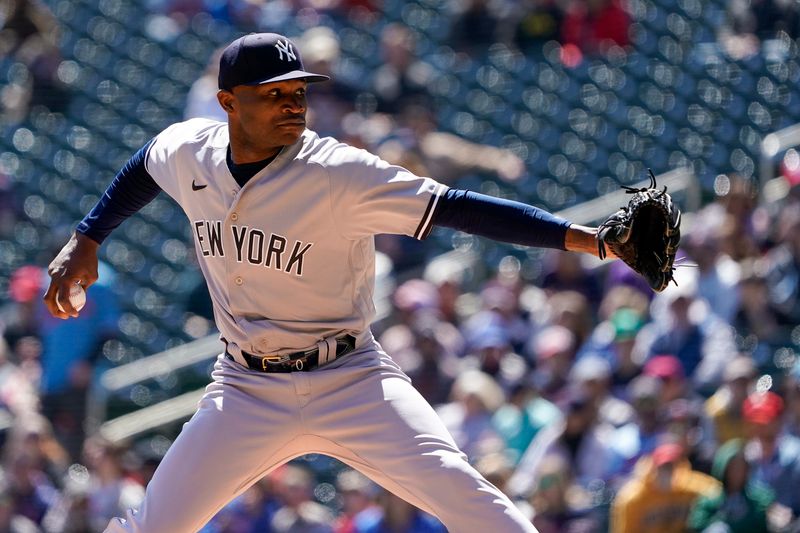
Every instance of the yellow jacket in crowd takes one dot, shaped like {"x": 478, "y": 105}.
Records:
{"x": 659, "y": 496}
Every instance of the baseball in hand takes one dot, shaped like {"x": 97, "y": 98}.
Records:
{"x": 77, "y": 297}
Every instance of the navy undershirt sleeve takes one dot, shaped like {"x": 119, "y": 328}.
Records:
{"x": 500, "y": 220}
{"x": 132, "y": 189}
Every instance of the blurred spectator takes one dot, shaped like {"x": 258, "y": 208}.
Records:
{"x": 685, "y": 425}
{"x": 595, "y": 25}
{"x": 357, "y": 7}
{"x": 418, "y": 144}
{"x": 428, "y": 361}
{"x": 29, "y": 33}
{"x": 554, "y": 351}
{"x": 579, "y": 439}
{"x": 500, "y": 309}
{"x": 756, "y": 321}
{"x": 201, "y": 101}
{"x": 669, "y": 370}
{"x": 724, "y": 407}
{"x": 738, "y": 231}
{"x": 32, "y": 436}
{"x": 535, "y": 22}
{"x": 613, "y": 340}
{"x": 660, "y": 494}
{"x": 425, "y": 346}
{"x": 10, "y": 520}
{"x": 448, "y": 282}
{"x": 683, "y": 326}
{"x": 364, "y": 128}
{"x": 70, "y": 512}
{"x": 357, "y": 495}
{"x": 250, "y": 512}
{"x": 593, "y": 375}
{"x": 321, "y": 54}
{"x": 681, "y": 408}
{"x": 566, "y": 272}
{"x": 28, "y": 354}
{"x": 29, "y": 488}
{"x": 112, "y": 492}
{"x": 475, "y": 397}
{"x": 17, "y": 394}
{"x": 19, "y": 317}
{"x": 572, "y": 310}
{"x": 402, "y": 77}
{"x": 557, "y": 504}
{"x": 393, "y": 515}
{"x": 496, "y": 468}
{"x": 299, "y": 513}
{"x": 620, "y": 275}
{"x": 717, "y": 273}
{"x": 783, "y": 267}
{"x": 521, "y": 418}
{"x": 774, "y": 456}
{"x": 641, "y": 436}
{"x": 422, "y": 344}
{"x": 764, "y": 19}
{"x": 741, "y": 506}
{"x": 475, "y": 25}
{"x": 623, "y": 296}
{"x": 409, "y": 298}
{"x": 492, "y": 353}
{"x": 735, "y": 240}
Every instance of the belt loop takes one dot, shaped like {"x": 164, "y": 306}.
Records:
{"x": 327, "y": 350}
{"x": 332, "y": 348}
{"x": 322, "y": 352}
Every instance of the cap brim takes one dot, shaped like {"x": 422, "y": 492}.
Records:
{"x": 310, "y": 77}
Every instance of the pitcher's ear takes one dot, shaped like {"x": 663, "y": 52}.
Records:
{"x": 226, "y": 100}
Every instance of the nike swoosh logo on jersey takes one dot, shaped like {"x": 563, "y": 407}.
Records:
{"x": 196, "y": 187}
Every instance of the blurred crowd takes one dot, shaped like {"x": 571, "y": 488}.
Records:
{"x": 593, "y": 403}
{"x": 599, "y": 405}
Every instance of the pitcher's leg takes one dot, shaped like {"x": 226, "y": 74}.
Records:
{"x": 241, "y": 429}
{"x": 393, "y": 435}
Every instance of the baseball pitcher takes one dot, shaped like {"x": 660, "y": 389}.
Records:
{"x": 283, "y": 223}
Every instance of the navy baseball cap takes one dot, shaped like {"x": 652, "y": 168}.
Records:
{"x": 260, "y": 58}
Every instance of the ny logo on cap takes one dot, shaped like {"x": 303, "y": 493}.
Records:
{"x": 285, "y": 47}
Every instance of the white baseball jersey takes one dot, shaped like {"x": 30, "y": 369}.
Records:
{"x": 289, "y": 257}
{"x": 289, "y": 262}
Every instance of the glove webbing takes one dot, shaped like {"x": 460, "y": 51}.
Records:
{"x": 601, "y": 248}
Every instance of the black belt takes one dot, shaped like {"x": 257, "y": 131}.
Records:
{"x": 294, "y": 362}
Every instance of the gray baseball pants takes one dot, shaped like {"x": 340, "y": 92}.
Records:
{"x": 361, "y": 409}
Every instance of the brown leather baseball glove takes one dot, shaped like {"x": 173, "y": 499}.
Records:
{"x": 645, "y": 234}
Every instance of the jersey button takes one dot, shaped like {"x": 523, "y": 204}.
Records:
{"x": 234, "y": 217}
{"x": 238, "y": 280}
